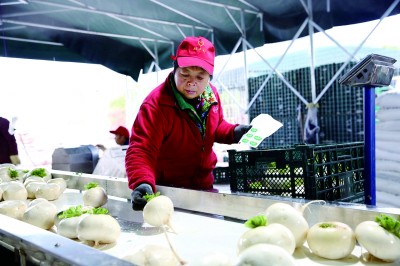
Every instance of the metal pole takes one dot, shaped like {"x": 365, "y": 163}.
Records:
{"x": 369, "y": 145}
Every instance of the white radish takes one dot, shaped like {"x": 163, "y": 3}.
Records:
{"x": 100, "y": 228}
{"x": 331, "y": 240}
{"x": 15, "y": 191}
{"x": 3, "y": 185}
{"x": 60, "y": 181}
{"x": 68, "y": 227}
{"x": 13, "y": 208}
{"x": 40, "y": 214}
{"x": 1, "y": 194}
{"x": 275, "y": 234}
{"x": 36, "y": 201}
{"x": 57, "y": 219}
{"x": 32, "y": 187}
{"x": 21, "y": 174}
{"x": 7, "y": 165}
{"x": 94, "y": 195}
{"x": 10, "y": 173}
{"x": 49, "y": 191}
{"x": 73, "y": 211}
{"x": 378, "y": 241}
{"x": 264, "y": 254}
{"x": 39, "y": 172}
{"x": 152, "y": 255}
{"x": 290, "y": 217}
{"x": 4, "y": 172}
{"x": 33, "y": 179}
{"x": 214, "y": 258}
{"x": 159, "y": 211}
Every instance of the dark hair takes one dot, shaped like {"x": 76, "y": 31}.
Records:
{"x": 175, "y": 65}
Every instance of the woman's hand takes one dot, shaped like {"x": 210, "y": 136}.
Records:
{"x": 138, "y": 202}
{"x": 239, "y": 131}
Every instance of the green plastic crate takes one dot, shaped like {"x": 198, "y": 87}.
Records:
{"x": 327, "y": 172}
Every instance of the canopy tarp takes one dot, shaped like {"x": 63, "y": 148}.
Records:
{"x": 129, "y": 35}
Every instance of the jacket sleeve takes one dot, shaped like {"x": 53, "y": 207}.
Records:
{"x": 144, "y": 146}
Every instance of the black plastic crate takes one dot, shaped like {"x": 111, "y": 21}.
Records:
{"x": 221, "y": 175}
{"x": 327, "y": 172}
{"x": 340, "y": 111}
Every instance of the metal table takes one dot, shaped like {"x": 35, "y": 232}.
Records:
{"x": 206, "y": 222}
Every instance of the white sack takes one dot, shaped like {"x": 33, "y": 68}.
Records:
{"x": 381, "y": 154}
{"x": 393, "y": 125}
{"x": 388, "y": 166}
{"x": 387, "y": 135}
{"x": 388, "y": 114}
{"x": 389, "y": 99}
{"x": 390, "y": 146}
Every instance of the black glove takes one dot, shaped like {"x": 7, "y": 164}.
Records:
{"x": 137, "y": 195}
{"x": 239, "y": 131}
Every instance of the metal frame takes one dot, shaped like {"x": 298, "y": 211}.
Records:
{"x": 182, "y": 28}
{"x": 127, "y": 19}
{"x": 17, "y": 2}
{"x": 311, "y": 26}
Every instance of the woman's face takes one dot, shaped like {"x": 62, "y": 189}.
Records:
{"x": 191, "y": 81}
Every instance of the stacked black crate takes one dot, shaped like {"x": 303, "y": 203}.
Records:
{"x": 262, "y": 103}
{"x": 340, "y": 111}
{"x": 294, "y": 107}
{"x": 282, "y": 104}
{"x": 276, "y": 91}
{"x": 340, "y": 108}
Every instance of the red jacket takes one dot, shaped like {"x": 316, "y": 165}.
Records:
{"x": 166, "y": 147}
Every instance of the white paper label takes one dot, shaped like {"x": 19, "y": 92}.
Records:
{"x": 263, "y": 126}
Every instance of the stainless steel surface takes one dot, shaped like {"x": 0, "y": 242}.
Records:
{"x": 48, "y": 248}
{"x": 206, "y": 222}
{"x": 240, "y": 206}
{"x": 115, "y": 186}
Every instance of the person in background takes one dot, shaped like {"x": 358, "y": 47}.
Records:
{"x": 176, "y": 126}
{"x": 121, "y": 137}
{"x": 8, "y": 143}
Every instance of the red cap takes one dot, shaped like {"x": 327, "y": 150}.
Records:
{"x": 196, "y": 51}
{"x": 121, "y": 131}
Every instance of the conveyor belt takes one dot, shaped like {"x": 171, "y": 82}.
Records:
{"x": 206, "y": 222}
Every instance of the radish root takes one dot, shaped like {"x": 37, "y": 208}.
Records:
{"x": 169, "y": 224}
{"x": 302, "y": 209}
{"x": 181, "y": 261}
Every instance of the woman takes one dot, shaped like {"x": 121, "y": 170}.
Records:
{"x": 177, "y": 125}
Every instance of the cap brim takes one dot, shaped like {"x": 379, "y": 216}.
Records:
{"x": 193, "y": 61}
